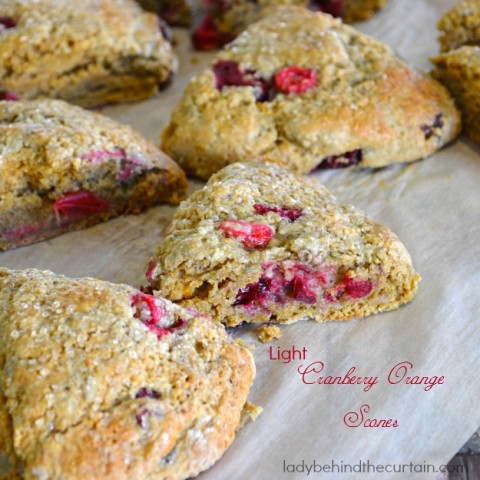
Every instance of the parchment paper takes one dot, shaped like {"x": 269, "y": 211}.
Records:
{"x": 434, "y": 207}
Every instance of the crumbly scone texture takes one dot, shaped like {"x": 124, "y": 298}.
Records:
{"x": 460, "y": 25}
{"x": 237, "y": 15}
{"x": 267, "y": 333}
{"x": 459, "y": 70}
{"x": 326, "y": 262}
{"x": 365, "y": 100}
{"x": 88, "y": 391}
{"x": 50, "y": 151}
{"x": 90, "y": 53}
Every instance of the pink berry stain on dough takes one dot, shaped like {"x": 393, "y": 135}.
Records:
{"x": 291, "y": 214}
{"x": 294, "y": 281}
{"x": 79, "y": 204}
{"x": 151, "y": 311}
{"x": 130, "y": 165}
{"x": 252, "y": 235}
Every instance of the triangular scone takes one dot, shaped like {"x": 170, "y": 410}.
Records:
{"x": 63, "y": 168}
{"x": 103, "y": 381}
{"x": 89, "y": 53}
{"x": 303, "y": 90}
{"x": 259, "y": 243}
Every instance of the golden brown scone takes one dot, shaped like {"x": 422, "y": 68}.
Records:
{"x": 103, "y": 381}
{"x": 459, "y": 70}
{"x": 303, "y": 90}
{"x": 460, "y": 25}
{"x": 63, "y": 168}
{"x": 90, "y": 53}
{"x": 261, "y": 244}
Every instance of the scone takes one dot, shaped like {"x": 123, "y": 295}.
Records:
{"x": 63, "y": 168}
{"x": 259, "y": 243}
{"x": 90, "y": 53}
{"x": 460, "y": 25}
{"x": 459, "y": 70}
{"x": 174, "y": 12}
{"x": 228, "y": 19}
{"x": 103, "y": 381}
{"x": 305, "y": 91}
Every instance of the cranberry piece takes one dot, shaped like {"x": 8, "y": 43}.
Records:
{"x": 358, "y": 288}
{"x": 294, "y": 281}
{"x": 146, "y": 392}
{"x": 281, "y": 283}
{"x": 251, "y": 235}
{"x": 6, "y": 23}
{"x": 295, "y": 79}
{"x": 352, "y": 287}
{"x": 253, "y": 292}
{"x": 150, "y": 311}
{"x": 429, "y": 130}
{"x": 142, "y": 418}
{"x": 79, "y": 204}
{"x": 342, "y": 161}
{"x": 228, "y": 74}
{"x": 307, "y": 284}
{"x": 291, "y": 214}
{"x": 335, "y": 8}
{"x": 9, "y": 96}
{"x": 208, "y": 37}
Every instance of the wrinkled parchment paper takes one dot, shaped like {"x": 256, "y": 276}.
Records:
{"x": 434, "y": 207}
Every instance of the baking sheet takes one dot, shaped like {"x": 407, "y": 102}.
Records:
{"x": 434, "y": 207}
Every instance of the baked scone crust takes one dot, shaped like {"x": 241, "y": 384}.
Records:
{"x": 50, "y": 150}
{"x": 314, "y": 249}
{"x": 91, "y": 393}
{"x": 460, "y": 25}
{"x": 91, "y": 53}
{"x": 459, "y": 70}
{"x": 365, "y": 100}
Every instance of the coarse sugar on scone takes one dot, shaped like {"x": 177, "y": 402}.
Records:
{"x": 460, "y": 25}
{"x": 302, "y": 90}
{"x": 63, "y": 168}
{"x": 261, "y": 244}
{"x": 226, "y": 20}
{"x": 90, "y": 53}
{"x": 459, "y": 70}
{"x": 103, "y": 381}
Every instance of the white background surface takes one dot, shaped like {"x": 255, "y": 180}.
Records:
{"x": 434, "y": 207}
